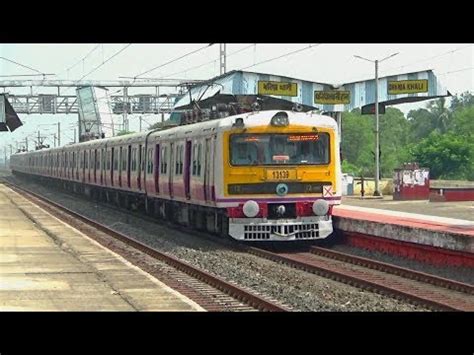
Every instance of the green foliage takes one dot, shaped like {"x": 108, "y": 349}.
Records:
{"x": 438, "y": 137}
{"x": 349, "y": 168}
{"x": 357, "y": 141}
{"x": 448, "y": 156}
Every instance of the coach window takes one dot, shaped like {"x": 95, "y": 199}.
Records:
{"x": 150, "y": 161}
{"x": 165, "y": 161}
{"x": 124, "y": 160}
{"x": 134, "y": 159}
{"x": 162, "y": 158}
{"x": 176, "y": 164}
{"x": 181, "y": 159}
{"x": 194, "y": 159}
{"x": 142, "y": 161}
{"x": 107, "y": 160}
{"x": 199, "y": 159}
{"x": 115, "y": 160}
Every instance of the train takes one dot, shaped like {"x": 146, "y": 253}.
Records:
{"x": 271, "y": 175}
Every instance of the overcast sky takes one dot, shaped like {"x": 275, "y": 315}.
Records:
{"x": 327, "y": 63}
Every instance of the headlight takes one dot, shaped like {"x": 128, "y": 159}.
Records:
{"x": 280, "y": 119}
{"x": 320, "y": 207}
{"x": 251, "y": 208}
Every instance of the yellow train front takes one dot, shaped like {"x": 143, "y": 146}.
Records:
{"x": 281, "y": 175}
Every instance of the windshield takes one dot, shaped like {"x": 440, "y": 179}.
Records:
{"x": 279, "y": 149}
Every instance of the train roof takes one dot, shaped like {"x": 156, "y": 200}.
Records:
{"x": 251, "y": 119}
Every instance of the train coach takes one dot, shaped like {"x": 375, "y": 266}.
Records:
{"x": 258, "y": 176}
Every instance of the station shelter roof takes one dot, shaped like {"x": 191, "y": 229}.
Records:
{"x": 395, "y": 89}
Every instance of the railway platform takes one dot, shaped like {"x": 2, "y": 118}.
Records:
{"x": 433, "y": 225}
{"x": 47, "y": 265}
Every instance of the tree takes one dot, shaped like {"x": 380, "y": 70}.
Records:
{"x": 440, "y": 114}
{"x": 436, "y": 117}
{"x": 394, "y": 138}
{"x": 463, "y": 121}
{"x": 421, "y": 123}
{"x": 448, "y": 156}
{"x": 358, "y": 141}
{"x": 466, "y": 99}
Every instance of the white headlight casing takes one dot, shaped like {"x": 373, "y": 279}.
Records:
{"x": 320, "y": 207}
{"x": 251, "y": 208}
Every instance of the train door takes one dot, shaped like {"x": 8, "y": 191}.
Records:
{"x": 83, "y": 167}
{"x": 187, "y": 170}
{"x": 139, "y": 167}
{"x": 120, "y": 167}
{"x": 102, "y": 160}
{"x": 90, "y": 165}
{"x": 156, "y": 168}
{"x": 171, "y": 170}
{"x": 208, "y": 164}
{"x": 113, "y": 167}
{"x": 143, "y": 169}
{"x": 96, "y": 167}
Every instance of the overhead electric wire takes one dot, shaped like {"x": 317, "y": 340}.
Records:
{"x": 7, "y": 76}
{"x": 82, "y": 59}
{"x": 21, "y": 65}
{"x": 103, "y": 63}
{"x": 282, "y": 56}
{"x": 174, "y": 60}
{"x": 456, "y": 71}
{"x": 108, "y": 59}
{"x": 212, "y": 61}
{"x": 427, "y": 59}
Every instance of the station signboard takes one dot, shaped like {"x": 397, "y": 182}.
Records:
{"x": 277, "y": 88}
{"x": 407, "y": 87}
{"x": 332, "y": 97}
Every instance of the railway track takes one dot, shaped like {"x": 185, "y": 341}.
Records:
{"x": 423, "y": 289}
{"x": 195, "y": 283}
{"x": 427, "y": 290}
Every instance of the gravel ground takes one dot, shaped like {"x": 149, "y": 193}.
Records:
{"x": 462, "y": 274}
{"x": 301, "y": 290}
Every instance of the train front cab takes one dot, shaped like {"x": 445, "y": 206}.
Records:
{"x": 281, "y": 180}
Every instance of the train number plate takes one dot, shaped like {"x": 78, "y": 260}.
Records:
{"x": 281, "y": 174}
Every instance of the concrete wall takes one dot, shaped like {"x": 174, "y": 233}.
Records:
{"x": 385, "y": 186}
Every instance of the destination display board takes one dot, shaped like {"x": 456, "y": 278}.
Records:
{"x": 277, "y": 88}
{"x": 332, "y": 97}
{"x": 407, "y": 87}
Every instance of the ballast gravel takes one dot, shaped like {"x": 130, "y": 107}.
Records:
{"x": 301, "y": 290}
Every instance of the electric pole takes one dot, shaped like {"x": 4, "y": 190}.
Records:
{"x": 377, "y": 145}
{"x": 59, "y": 134}
{"x": 223, "y": 58}
{"x": 125, "y": 109}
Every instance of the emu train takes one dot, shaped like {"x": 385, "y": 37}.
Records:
{"x": 258, "y": 176}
